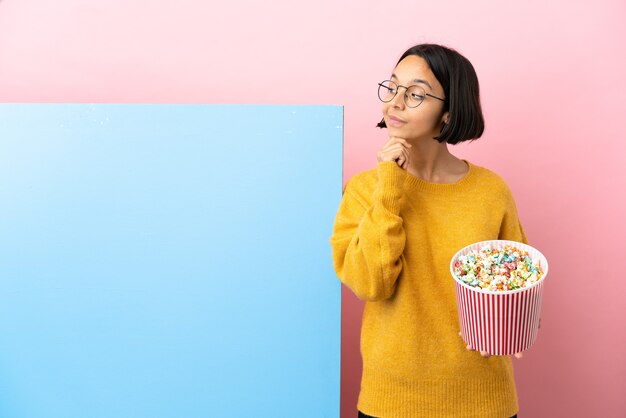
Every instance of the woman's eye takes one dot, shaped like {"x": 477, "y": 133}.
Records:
{"x": 417, "y": 96}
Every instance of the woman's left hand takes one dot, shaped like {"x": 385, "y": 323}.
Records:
{"x": 486, "y": 354}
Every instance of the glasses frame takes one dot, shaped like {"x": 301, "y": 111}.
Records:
{"x": 380, "y": 85}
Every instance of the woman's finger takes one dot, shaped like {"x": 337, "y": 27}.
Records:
{"x": 394, "y": 149}
{"x": 406, "y": 153}
{"x": 394, "y": 154}
{"x": 393, "y": 139}
{"x": 482, "y": 353}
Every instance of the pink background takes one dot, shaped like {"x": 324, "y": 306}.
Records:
{"x": 552, "y": 84}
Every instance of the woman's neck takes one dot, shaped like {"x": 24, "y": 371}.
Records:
{"x": 432, "y": 161}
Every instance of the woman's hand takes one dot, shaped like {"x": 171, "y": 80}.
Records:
{"x": 487, "y": 355}
{"x": 396, "y": 149}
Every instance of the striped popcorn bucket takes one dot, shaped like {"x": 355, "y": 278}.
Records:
{"x": 499, "y": 322}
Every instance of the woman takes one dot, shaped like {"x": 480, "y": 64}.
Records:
{"x": 398, "y": 226}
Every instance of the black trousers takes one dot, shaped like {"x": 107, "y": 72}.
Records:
{"x": 362, "y": 415}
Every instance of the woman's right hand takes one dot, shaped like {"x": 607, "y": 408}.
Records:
{"x": 396, "y": 149}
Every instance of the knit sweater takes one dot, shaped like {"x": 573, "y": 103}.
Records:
{"x": 393, "y": 237}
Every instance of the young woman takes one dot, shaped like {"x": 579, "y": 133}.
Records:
{"x": 398, "y": 226}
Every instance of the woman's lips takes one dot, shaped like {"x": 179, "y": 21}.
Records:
{"x": 395, "y": 122}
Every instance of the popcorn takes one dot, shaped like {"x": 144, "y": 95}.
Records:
{"x": 508, "y": 268}
{"x": 499, "y": 287}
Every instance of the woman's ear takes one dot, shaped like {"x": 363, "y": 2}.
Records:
{"x": 445, "y": 117}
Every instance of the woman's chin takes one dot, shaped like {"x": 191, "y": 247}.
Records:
{"x": 400, "y": 131}
{"x": 396, "y": 129}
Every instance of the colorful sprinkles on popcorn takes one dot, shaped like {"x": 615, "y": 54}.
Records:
{"x": 507, "y": 268}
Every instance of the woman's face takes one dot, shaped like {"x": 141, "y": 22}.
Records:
{"x": 423, "y": 121}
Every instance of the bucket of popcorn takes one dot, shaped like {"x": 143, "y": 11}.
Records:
{"x": 499, "y": 285}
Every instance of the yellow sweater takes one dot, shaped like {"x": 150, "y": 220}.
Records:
{"x": 393, "y": 238}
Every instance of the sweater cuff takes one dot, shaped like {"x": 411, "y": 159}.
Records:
{"x": 389, "y": 190}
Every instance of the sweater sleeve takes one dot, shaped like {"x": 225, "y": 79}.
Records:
{"x": 368, "y": 239}
{"x": 511, "y": 227}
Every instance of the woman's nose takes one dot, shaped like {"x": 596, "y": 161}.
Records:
{"x": 398, "y": 100}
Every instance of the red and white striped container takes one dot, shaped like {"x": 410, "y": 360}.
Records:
{"x": 500, "y": 322}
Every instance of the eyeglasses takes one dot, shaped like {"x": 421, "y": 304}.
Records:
{"x": 413, "y": 97}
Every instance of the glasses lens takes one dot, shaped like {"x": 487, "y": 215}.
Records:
{"x": 415, "y": 96}
{"x": 386, "y": 90}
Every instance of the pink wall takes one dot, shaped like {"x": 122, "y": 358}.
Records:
{"x": 552, "y": 79}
